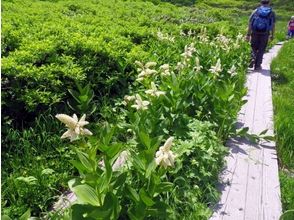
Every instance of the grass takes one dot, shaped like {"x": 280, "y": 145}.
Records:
{"x": 283, "y": 98}
{"x": 35, "y": 167}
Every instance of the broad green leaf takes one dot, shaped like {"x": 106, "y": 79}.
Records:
{"x": 85, "y": 160}
{"x": 81, "y": 211}
{"x": 120, "y": 180}
{"x": 86, "y": 194}
{"x": 113, "y": 149}
{"x": 5, "y": 217}
{"x": 137, "y": 162}
{"x": 146, "y": 198}
{"x": 133, "y": 194}
{"x": 150, "y": 168}
{"x": 26, "y": 215}
{"x": 145, "y": 139}
{"x": 77, "y": 164}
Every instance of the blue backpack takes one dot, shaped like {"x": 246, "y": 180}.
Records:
{"x": 262, "y": 19}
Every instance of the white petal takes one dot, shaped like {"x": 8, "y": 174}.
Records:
{"x": 150, "y": 64}
{"x": 145, "y": 103}
{"x": 67, "y": 134}
{"x": 77, "y": 130}
{"x": 83, "y": 118}
{"x": 66, "y": 119}
{"x": 168, "y": 144}
{"x": 75, "y": 117}
{"x": 136, "y": 107}
{"x": 87, "y": 132}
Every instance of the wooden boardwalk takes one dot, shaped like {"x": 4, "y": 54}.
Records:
{"x": 250, "y": 183}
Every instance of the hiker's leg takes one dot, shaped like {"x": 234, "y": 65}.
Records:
{"x": 263, "y": 40}
{"x": 254, "y": 49}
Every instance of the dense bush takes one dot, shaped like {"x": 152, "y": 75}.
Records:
{"x": 58, "y": 43}
{"x": 61, "y": 43}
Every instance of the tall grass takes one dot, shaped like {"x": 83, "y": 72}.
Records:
{"x": 35, "y": 167}
{"x": 283, "y": 97}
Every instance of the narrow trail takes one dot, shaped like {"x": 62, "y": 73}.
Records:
{"x": 250, "y": 183}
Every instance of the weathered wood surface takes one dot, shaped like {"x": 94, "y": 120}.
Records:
{"x": 250, "y": 183}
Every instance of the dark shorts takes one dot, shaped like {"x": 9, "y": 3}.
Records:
{"x": 291, "y": 33}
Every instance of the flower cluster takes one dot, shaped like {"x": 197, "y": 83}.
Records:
{"x": 224, "y": 42}
{"x": 162, "y": 36}
{"x": 145, "y": 70}
{"x": 202, "y": 36}
{"x": 187, "y": 55}
{"x": 154, "y": 91}
{"x": 232, "y": 71}
{"x": 140, "y": 104}
{"x": 164, "y": 156}
{"x": 197, "y": 67}
{"x": 165, "y": 70}
{"x": 217, "y": 68}
{"x": 189, "y": 34}
{"x": 74, "y": 125}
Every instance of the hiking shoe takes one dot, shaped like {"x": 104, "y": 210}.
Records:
{"x": 251, "y": 64}
{"x": 257, "y": 68}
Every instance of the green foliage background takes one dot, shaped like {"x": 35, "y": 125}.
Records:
{"x": 48, "y": 46}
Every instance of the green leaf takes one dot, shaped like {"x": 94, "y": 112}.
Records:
{"x": 263, "y": 132}
{"x": 47, "y": 171}
{"x": 80, "y": 211}
{"x": 164, "y": 187}
{"x": 74, "y": 94}
{"x": 110, "y": 207}
{"x": 288, "y": 215}
{"x": 145, "y": 139}
{"x": 86, "y": 194}
{"x": 85, "y": 160}
{"x": 138, "y": 164}
{"x": 113, "y": 149}
{"x": 26, "y": 215}
{"x": 108, "y": 170}
{"x": 120, "y": 180}
{"x": 133, "y": 194}
{"x": 77, "y": 164}
{"x": 150, "y": 168}
{"x": 5, "y": 217}
{"x": 145, "y": 198}
{"x": 269, "y": 138}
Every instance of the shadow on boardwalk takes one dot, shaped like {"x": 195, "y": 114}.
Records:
{"x": 249, "y": 184}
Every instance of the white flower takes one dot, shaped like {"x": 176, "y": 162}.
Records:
{"x": 190, "y": 32}
{"x": 197, "y": 67}
{"x": 217, "y": 68}
{"x": 182, "y": 33}
{"x": 154, "y": 91}
{"x": 145, "y": 69}
{"x": 189, "y": 50}
{"x": 180, "y": 66}
{"x": 164, "y": 156}
{"x": 129, "y": 98}
{"x": 150, "y": 64}
{"x": 140, "y": 104}
{"x": 119, "y": 162}
{"x": 74, "y": 125}
{"x": 162, "y": 36}
{"x": 232, "y": 71}
{"x": 165, "y": 70}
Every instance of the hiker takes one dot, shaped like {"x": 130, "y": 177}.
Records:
{"x": 261, "y": 28}
{"x": 291, "y": 28}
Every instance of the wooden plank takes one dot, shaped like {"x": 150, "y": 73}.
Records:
{"x": 250, "y": 183}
